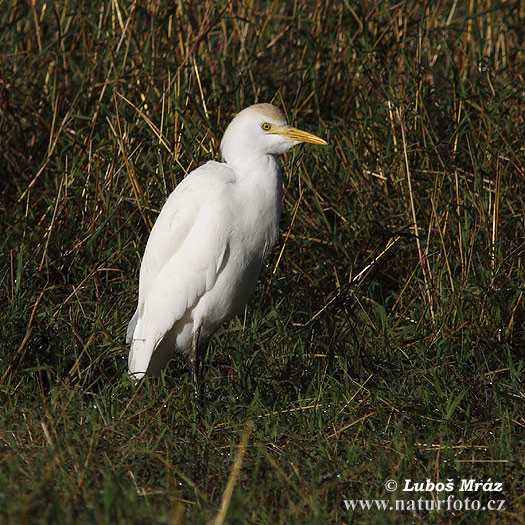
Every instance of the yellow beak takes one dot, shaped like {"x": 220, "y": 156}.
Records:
{"x": 298, "y": 135}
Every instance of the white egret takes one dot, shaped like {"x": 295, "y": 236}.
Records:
{"x": 205, "y": 251}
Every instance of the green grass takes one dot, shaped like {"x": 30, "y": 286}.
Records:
{"x": 338, "y": 379}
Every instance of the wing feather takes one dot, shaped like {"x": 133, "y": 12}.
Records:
{"x": 182, "y": 260}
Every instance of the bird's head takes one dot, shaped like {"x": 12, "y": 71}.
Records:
{"x": 261, "y": 129}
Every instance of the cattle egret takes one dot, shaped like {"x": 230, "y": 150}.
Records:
{"x": 205, "y": 251}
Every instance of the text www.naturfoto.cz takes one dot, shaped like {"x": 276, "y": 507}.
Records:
{"x": 449, "y": 504}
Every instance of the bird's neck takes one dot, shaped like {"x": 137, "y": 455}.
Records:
{"x": 256, "y": 168}
{"x": 259, "y": 181}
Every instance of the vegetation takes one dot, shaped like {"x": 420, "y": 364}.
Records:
{"x": 385, "y": 338}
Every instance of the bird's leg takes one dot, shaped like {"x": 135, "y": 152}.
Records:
{"x": 194, "y": 357}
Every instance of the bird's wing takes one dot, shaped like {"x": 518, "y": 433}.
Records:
{"x": 183, "y": 257}
{"x": 199, "y": 193}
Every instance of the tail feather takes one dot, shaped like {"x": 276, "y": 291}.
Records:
{"x": 140, "y": 353}
{"x": 131, "y": 327}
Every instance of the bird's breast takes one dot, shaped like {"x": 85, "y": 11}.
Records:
{"x": 259, "y": 212}
{"x": 253, "y": 215}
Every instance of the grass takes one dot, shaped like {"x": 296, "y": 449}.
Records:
{"x": 386, "y": 342}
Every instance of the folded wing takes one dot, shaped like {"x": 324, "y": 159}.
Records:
{"x": 183, "y": 257}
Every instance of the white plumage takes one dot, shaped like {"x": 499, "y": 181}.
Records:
{"x": 205, "y": 251}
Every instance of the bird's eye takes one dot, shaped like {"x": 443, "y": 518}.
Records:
{"x": 266, "y": 126}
